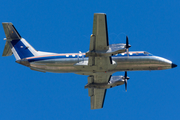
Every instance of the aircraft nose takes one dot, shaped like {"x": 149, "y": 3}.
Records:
{"x": 173, "y": 65}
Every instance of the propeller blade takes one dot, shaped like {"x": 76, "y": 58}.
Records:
{"x": 127, "y": 42}
{"x": 125, "y": 82}
{"x": 125, "y": 75}
{"x": 127, "y": 46}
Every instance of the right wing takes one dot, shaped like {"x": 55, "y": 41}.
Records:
{"x": 97, "y": 95}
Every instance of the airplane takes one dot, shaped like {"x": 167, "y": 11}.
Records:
{"x": 99, "y": 63}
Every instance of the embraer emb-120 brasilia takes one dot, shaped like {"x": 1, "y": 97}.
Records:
{"x": 99, "y": 63}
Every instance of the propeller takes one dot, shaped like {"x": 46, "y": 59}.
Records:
{"x": 125, "y": 80}
{"x": 127, "y": 46}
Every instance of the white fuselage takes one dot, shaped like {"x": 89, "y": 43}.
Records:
{"x": 62, "y": 63}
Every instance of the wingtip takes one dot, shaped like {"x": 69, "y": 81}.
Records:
{"x": 99, "y": 13}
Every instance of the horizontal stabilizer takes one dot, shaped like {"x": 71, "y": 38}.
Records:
{"x": 7, "y": 50}
{"x": 11, "y": 32}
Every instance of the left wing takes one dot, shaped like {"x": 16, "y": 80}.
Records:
{"x": 98, "y": 95}
{"x": 99, "y": 44}
{"x": 100, "y": 32}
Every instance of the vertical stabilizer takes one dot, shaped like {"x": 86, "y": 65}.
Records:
{"x": 16, "y": 44}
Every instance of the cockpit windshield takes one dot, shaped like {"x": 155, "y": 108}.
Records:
{"x": 148, "y": 54}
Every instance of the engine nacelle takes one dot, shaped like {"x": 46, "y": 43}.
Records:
{"x": 116, "y": 48}
{"x": 113, "y": 50}
{"x": 114, "y": 81}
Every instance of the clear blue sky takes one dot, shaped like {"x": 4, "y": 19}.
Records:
{"x": 65, "y": 26}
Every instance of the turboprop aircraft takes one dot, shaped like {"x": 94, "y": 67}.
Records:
{"x": 99, "y": 63}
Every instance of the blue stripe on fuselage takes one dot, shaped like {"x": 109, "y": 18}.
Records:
{"x": 70, "y": 56}
{"x": 21, "y": 49}
{"x": 49, "y": 57}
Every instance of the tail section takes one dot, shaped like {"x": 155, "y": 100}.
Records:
{"x": 16, "y": 44}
